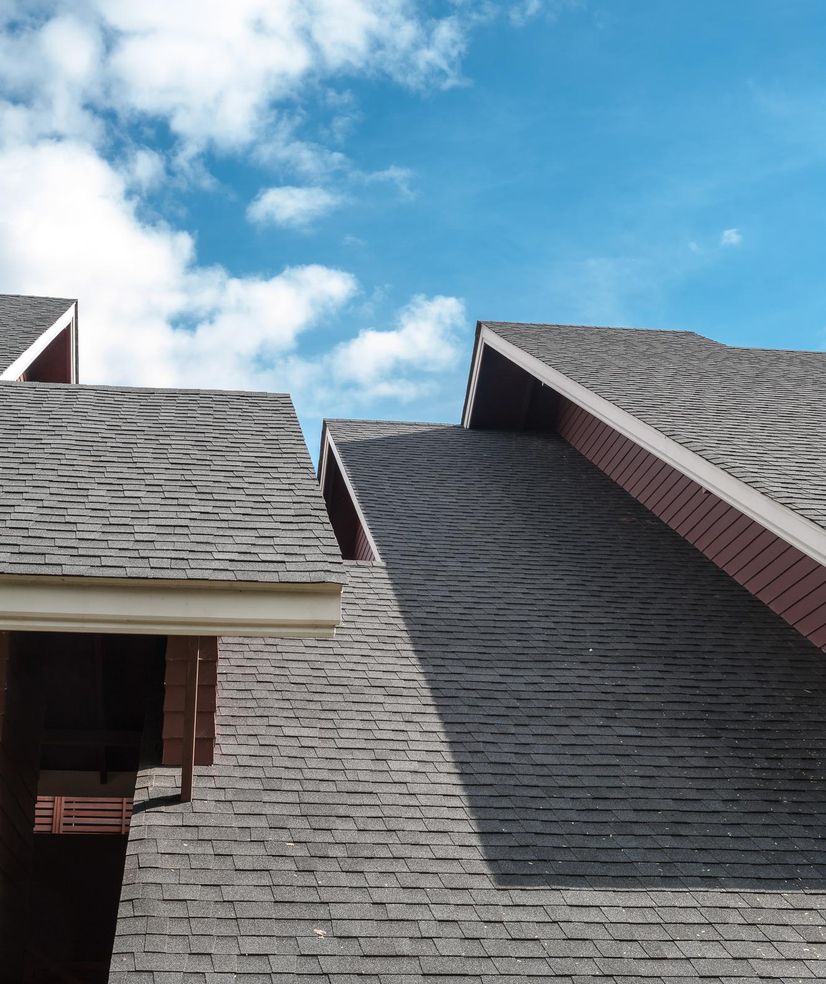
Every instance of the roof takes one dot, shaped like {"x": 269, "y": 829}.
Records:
{"x": 759, "y": 414}
{"x": 158, "y": 483}
{"x": 23, "y": 320}
{"x": 550, "y": 739}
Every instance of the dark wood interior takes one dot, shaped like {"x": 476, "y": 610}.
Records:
{"x": 54, "y": 364}
{"x": 509, "y": 398}
{"x": 78, "y": 715}
{"x": 348, "y": 528}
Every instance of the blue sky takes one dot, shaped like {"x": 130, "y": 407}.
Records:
{"x": 323, "y": 196}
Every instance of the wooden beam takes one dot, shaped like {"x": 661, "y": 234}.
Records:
{"x": 98, "y": 739}
{"x": 4, "y": 671}
{"x": 190, "y": 718}
{"x": 100, "y": 710}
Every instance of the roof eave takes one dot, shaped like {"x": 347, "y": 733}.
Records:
{"x": 790, "y": 526}
{"x": 470, "y": 390}
{"x": 67, "y": 320}
{"x": 169, "y": 607}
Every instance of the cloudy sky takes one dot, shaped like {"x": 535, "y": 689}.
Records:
{"x": 322, "y": 196}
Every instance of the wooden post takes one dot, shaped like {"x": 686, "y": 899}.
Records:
{"x": 190, "y": 718}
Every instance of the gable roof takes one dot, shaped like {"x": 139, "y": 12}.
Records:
{"x": 759, "y": 415}
{"x": 23, "y": 320}
{"x": 550, "y": 739}
{"x": 158, "y": 483}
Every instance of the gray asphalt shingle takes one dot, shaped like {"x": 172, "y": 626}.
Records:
{"x": 550, "y": 741}
{"x": 759, "y": 414}
{"x": 23, "y": 320}
{"x": 158, "y": 483}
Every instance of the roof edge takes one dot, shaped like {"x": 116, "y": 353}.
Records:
{"x": 328, "y": 449}
{"x": 794, "y": 529}
{"x": 67, "y": 320}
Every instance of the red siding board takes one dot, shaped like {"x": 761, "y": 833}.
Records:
{"x": 702, "y": 513}
{"x": 809, "y": 613}
{"x": 660, "y": 499}
{"x": 651, "y": 480}
{"x": 715, "y": 527}
{"x": 631, "y": 466}
{"x": 642, "y": 485}
{"x": 669, "y": 505}
{"x": 800, "y": 592}
{"x": 623, "y": 450}
{"x": 781, "y": 576}
{"x": 792, "y": 580}
{"x": 747, "y": 571}
{"x": 743, "y": 529}
{"x": 363, "y": 550}
{"x": 761, "y": 581}
{"x": 739, "y": 552}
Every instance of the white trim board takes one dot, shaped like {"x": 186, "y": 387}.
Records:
{"x": 22, "y": 362}
{"x": 330, "y": 444}
{"x": 137, "y": 607}
{"x": 796, "y": 530}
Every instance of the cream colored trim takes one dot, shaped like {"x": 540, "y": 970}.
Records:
{"x": 22, "y": 362}
{"x": 55, "y": 604}
{"x": 330, "y": 446}
{"x": 474, "y": 379}
{"x": 790, "y": 526}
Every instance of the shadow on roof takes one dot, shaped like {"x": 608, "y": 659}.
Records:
{"x": 620, "y": 712}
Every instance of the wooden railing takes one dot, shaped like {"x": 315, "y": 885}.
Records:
{"x": 82, "y": 815}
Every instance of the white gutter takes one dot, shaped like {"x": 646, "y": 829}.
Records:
{"x": 143, "y": 606}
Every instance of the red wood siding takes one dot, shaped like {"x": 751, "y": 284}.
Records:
{"x": 362, "y": 549}
{"x": 790, "y": 583}
{"x": 175, "y": 696}
{"x": 82, "y": 815}
{"x": 348, "y": 528}
{"x": 54, "y": 364}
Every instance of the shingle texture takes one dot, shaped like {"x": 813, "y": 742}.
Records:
{"x": 760, "y": 414}
{"x": 116, "y": 482}
{"x": 550, "y": 741}
{"x": 23, "y": 320}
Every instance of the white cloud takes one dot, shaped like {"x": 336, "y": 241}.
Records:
{"x": 401, "y": 177}
{"x": 731, "y": 237}
{"x": 213, "y": 70}
{"x": 72, "y": 182}
{"x": 149, "y": 313}
{"x": 425, "y": 339}
{"x": 291, "y": 206}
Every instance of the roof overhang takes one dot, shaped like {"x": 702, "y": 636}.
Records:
{"x": 169, "y": 607}
{"x": 67, "y": 320}
{"x": 790, "y": 526}
{"x": 330, "y": 453}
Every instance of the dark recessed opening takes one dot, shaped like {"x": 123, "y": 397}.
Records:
{"x": 54, "y": 364}
{"x": 344, "y": 518}
{"x": 509, "y": 398}
{"x": 80, "y": 715}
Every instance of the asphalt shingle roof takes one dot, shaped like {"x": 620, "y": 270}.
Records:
{"x": 158, "y": 483}
{"x": 23, "y": 320}
{"x": 550, "y": 741}
{"x": 759, "y": 414}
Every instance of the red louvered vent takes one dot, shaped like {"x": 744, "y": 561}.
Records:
{"x": 82, "y": 815}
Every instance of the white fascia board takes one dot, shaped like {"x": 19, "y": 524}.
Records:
{"x": 22, "y": 362}
{"x": 796, "y": 530}
{"x": 328, "y": 449}
{"x": 137, "y": 607}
